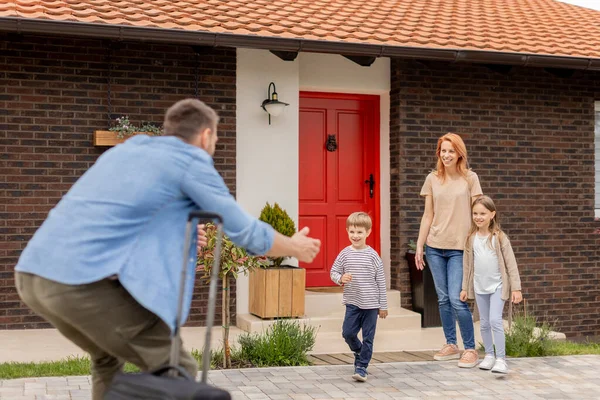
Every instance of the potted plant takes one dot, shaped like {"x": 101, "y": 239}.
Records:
{"x": 234, "y": 260}
{"x": 278, "y": 290}
{"x": 123, "y": 130}
{"x": 424, "y": 296}
{"x": 279, "y": 219}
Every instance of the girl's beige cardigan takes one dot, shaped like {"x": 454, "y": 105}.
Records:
{"x": 511, "y": 280}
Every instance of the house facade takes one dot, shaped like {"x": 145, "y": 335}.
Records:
{"x": 527, "y": 116}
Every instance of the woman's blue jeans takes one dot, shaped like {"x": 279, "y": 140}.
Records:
{"x": 447, "y": 271}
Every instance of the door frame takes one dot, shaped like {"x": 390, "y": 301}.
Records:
{"x": 374, "y": 101}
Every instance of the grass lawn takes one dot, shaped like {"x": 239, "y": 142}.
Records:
{"x": 73, "y": 366}
{"x": 70, "y": 366}
{"x": 567, "y": 348}
{"x": 77, "y": 366}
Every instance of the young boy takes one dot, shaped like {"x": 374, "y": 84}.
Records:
{"x": 359, "y": 270}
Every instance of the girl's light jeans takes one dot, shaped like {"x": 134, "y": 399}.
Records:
{"x": 492, "y": 329}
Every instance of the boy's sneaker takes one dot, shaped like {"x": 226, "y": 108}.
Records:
{"x": 469, "y": 359}
{"x": 360, "y": 374}
{"x": 488, "y": 362}
{"x": 448, "y": 352}
{"x": 500, "y": 367}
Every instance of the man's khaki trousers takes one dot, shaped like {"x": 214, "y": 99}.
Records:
{"x": 104, "y": 320}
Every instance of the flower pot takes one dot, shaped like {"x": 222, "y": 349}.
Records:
{"x": 277, "y": 292}
{"x": 424, "y": 296}
{"x": 110, "y": 138}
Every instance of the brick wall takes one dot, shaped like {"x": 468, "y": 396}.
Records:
{"x": 53, "y": 96}
{"x": 530, "y": 139}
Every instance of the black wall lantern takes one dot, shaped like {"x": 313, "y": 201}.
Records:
{"x": 271, "y": 104}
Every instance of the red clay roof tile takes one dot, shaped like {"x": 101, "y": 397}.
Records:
{"x": 540, "y": 26}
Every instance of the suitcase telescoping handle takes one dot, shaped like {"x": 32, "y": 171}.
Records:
{"x": 193, "y": 218}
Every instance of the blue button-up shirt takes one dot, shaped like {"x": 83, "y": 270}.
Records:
{"x": 126, "y": 216}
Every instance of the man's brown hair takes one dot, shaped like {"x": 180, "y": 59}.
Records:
{"x": 188, "y": 117}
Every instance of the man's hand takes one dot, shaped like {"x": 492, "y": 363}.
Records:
{"x": 383, "y": 314}
{"x": 463, "y": 295}
{"x": 517, "y": 296}
{"x": 306, "y": 248}
{"x": 346, "y": 278}
{"x": 202, "y": 241}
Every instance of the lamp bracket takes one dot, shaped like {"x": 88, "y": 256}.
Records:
{"x": 363, "y": 61}
{"x": 285, "y": 55}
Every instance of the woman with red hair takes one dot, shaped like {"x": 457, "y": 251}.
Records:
{"x": 449, "y": 191}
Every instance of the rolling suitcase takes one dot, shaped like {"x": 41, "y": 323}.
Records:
{"x": 171, "y": 382}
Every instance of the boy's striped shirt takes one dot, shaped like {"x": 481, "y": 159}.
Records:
{"x": 367, "y": 288}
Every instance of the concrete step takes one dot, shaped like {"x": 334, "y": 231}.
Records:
{"x": 398, "y": 319}
{"x": 405, "y": 340}
{"x": 319, "y": 304}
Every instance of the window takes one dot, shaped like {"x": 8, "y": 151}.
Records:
{"x": 597, "y": 152}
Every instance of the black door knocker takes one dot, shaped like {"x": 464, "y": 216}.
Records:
{"x": 331, "y": 144}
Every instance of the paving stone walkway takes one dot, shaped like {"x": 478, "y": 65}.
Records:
{"x": 377, "y": 358}
{"x": 572, "y": 377}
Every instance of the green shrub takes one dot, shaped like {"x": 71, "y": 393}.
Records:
{"x": 279, "y": 219}
{"x": 285, "y": 343}
{"x": 217, "y": 358}
{"x": 526, "y": 338}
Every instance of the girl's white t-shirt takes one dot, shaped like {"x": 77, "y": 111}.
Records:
{"x": 487, "y": 271}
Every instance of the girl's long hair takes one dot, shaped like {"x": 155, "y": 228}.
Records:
{"x": 494, "y": 228}
{"x": 462, "y": 164}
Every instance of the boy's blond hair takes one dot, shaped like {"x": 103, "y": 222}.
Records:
{"x": 359, "y": 219}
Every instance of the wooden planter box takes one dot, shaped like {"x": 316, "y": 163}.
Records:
{"x": 109, "y": 138}
{"x": 277, "y": 292}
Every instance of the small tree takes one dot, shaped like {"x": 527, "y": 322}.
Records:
{"x": 279, "y": 219}
{"x": 234, "y": 260}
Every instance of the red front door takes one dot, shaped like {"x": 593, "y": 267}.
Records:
{"x": 336, "y": 182}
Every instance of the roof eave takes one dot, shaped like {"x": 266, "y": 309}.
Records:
{"x": 199, "y": 38}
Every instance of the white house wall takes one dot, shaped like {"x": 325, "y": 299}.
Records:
{"x": 267, "y": 155}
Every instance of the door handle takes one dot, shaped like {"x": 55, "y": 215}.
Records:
{"x": 371, "y": 182}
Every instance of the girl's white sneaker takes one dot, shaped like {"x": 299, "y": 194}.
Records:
{"x": 500, "y": 367}
{"x": 488, "y": 362}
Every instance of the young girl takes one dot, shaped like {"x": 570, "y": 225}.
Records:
{"x": 490, "y": 275}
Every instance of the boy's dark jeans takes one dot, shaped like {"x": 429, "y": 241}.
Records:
{"x": 355, "y": 320}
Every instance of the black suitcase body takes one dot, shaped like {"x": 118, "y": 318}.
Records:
{"x": 155, "y": 386}
{"x": 172, "y": 382}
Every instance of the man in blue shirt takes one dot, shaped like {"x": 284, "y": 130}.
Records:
{"x": 104, "y": 267}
